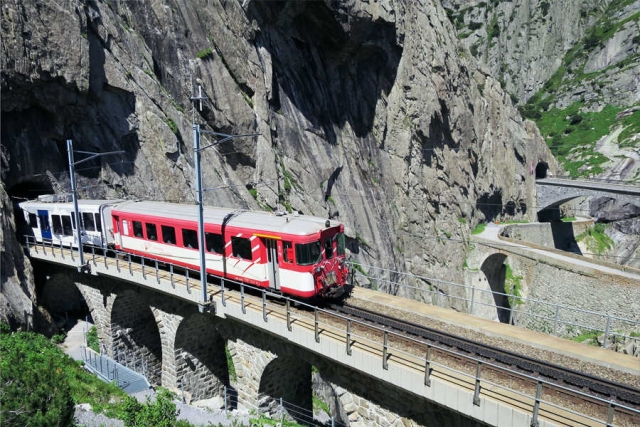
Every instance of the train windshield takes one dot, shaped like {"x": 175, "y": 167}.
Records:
{"x": 308, "y": 253}
{"x": 341, "y": 244}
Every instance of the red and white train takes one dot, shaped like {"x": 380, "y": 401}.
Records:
{"x": 299, "y": 255}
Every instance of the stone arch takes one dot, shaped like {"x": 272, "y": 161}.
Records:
{"x": 200, "y": 357}
{"x": 62, "y": 297}
{"x": 136, "y": 338}
{"x": 542, "y": 169}
{"x": 289, "y": 378}
{"x": 495, "y": 270}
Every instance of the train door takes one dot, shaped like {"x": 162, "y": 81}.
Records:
{"x": 272, "y": 263}
{"x": 45, "y": 227}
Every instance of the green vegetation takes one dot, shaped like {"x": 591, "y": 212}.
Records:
{"x": 591, "y": 336}
{"x": 571, "y": 132}
{"x": 568, "y": 219}
{"x": 161, "y": 413}
{"x": 40, "y": 384}
{"x": 596, "y": 239}
{"x": 320, "y": 405}
{"x": 462, "y": 220}
{"x": 248, "y": 99}
{"x": 205, "y": 54}
{"x": 479, "y": 228}
{"x": 513, "y": 286}
{"x": 173, "y": 126}
{"x": 233, "y": 376}
{"x": 92, "y": 339}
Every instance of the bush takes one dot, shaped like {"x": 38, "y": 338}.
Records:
{"x": 93, "y": 342}
{"x": 35, "y": 391}
{"x": 161, "y": 413}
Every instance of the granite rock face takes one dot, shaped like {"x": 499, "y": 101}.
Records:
{"x": 371, "y": 113}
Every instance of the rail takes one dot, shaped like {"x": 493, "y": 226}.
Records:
{"x": 531, "y": 313}
{"x": 383, "y": 345}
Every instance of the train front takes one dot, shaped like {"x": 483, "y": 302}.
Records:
{"x": 330, "y": 272}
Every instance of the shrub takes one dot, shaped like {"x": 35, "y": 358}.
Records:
{"x": 35, "y": 391}
{"x": 161, "y": 413}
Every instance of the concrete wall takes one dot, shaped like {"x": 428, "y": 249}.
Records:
{"x": 558, "y": 235}
{"x": 554, "y": 281}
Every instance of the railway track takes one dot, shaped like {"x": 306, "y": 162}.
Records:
{"x": 570, "y": 378}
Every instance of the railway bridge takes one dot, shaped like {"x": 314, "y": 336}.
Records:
{"x": 264, "y": 350}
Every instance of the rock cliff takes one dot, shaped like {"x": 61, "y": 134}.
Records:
{"x": 573, "y": 67}
{"x": 370, "y": 112}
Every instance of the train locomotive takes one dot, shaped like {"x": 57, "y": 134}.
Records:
{"x": 298, "y": 255}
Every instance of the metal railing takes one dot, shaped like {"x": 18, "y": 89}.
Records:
{"x": 555, "y": 319}
{"x": 390, "y": 353}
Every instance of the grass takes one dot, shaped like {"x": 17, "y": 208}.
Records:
{"x": 513, "y": 286}
{"x": 173, "y": 126}
{"x": 570, "y": 133}
{"x": 320, "y": 405}
{"x": 92, "y": 339}
{"x": 568, "y": 219}
{"x": 205, "y": 54}
{"x": 479, "y": 228}
{"x": 233, "y": 375}
{"x": 592, "y": 336}
{"x": 596, "y": 239}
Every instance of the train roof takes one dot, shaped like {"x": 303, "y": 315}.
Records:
{"x": 49, "y": 205}
{"x": 264, "y": 221}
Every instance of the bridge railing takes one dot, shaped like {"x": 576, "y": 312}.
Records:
{"x": 555, "y": 319}
{"x": 391, "y": 346}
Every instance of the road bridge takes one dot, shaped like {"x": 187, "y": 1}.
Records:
{"x": 553, "y": 192}
{"x": 153, "y": 314}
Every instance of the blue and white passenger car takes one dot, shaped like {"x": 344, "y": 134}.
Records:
{"x": 52, "y": 219}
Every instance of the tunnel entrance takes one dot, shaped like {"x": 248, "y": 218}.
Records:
{"x": 495, "y": 271}
{"x": 542, "y": 169}
{"x": 26, "y": 190}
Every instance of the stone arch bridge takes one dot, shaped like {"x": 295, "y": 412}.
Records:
{"x": 552, "y": 192}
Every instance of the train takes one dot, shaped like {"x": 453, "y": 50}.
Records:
{"x": 298, "y": 255}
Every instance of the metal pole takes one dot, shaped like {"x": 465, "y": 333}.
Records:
{"x": 385, "y": 349}
{"x": 72, "y": 175}
{"x": 606, "y": 331}
{"x": 536, "y": 405}
{"x": 264, "y": 305}
{"x": 476, "y": 393}
{"x": 315, "y": 322}
{"x": 288, "y": 314}
{"x": 348, "y": 340}
{"x": 427, "y": 367}
{"x": 203, "y": 267}
{"x": 473, "y": 293}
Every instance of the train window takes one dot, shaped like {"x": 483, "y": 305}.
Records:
{"x": 87, "y": 220}
{"x": 241, "y": 247}
{"x": 66, "y": 225}
{"x": 341, "y": 244}
{"x": 137, "y": 229}
{"x": 189, "y": 239}
{"x": 214, "y": 243}
{"x": 287, "y": 251}
{"x": 328, "y": 248}
{"x": 152, "y": 233}
{"x": 57, "y": 224}
{"x": 98, "y": 223}
{"x": 168, "y": 234}
{"x": 33, "y": 220}
{"x": 308, "y": 253}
